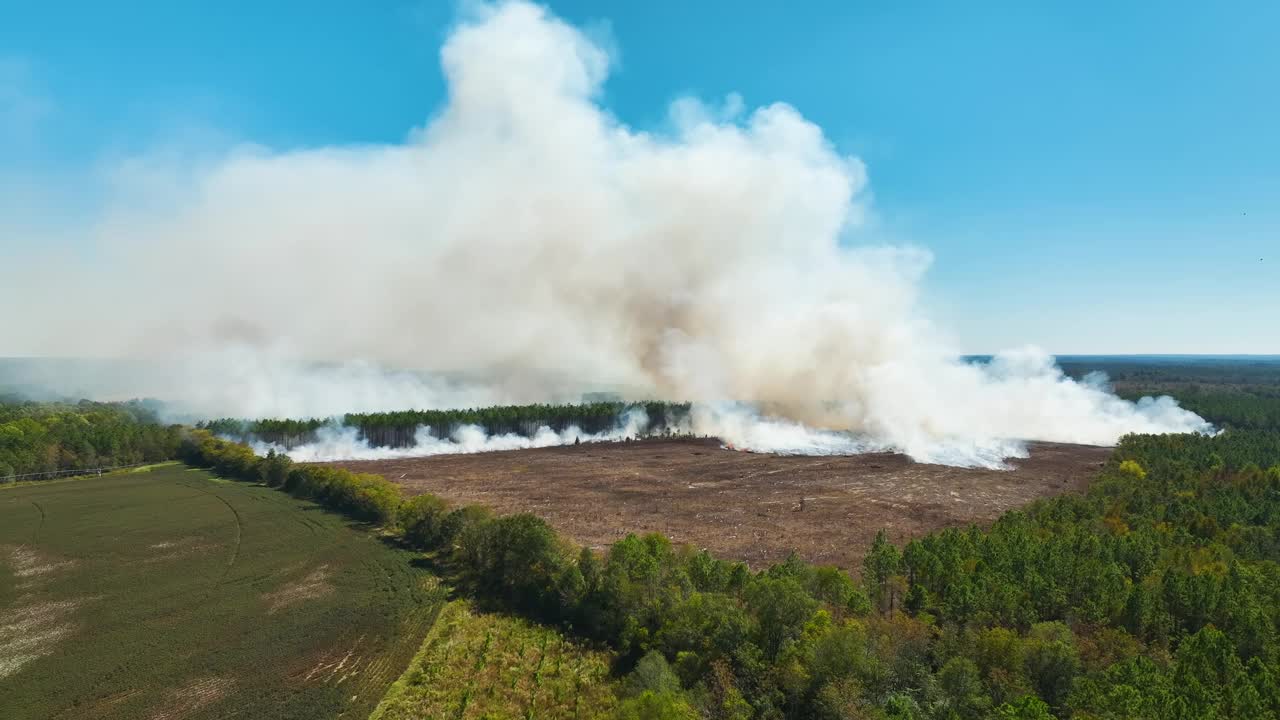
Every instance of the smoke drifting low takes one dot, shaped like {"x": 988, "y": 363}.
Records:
{"x": 523, "y": 234}
{"x": 339, "y": 442}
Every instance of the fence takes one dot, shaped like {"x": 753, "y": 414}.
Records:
{"x": 51, "y": 474}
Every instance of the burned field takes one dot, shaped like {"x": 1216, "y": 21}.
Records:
{"x": 745, "y": 506}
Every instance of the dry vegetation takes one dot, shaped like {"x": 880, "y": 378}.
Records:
{"x": 33, "y": 624}
{"x": 740, "y": 505}
{"x": 494, "y": 666}
{"x": 308, "y": 588}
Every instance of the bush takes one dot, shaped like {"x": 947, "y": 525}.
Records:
{"x": 520, "y": 557}
{"x": 651, "y": 674}
{"x": 363, "y": 497}
{"x": 461, "y": 524}
{"x": 274, "y": 469}
{"x": 657, "y": 706}
{"x": 420, "y": 520}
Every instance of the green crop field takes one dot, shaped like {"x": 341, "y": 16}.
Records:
{"x": 480, "y": 666}
{"x": 170, "y": 594}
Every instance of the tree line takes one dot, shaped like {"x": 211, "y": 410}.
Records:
{"x": 1249, "y": 407}
{"x": 398, "y": 429}
{"x": 1137, "y": 372}
{"x": 48, "y": 437}
{"x": 1154, "y": 595}
{"x": 285, "y": 432}
{"x": 1230, "y": 393}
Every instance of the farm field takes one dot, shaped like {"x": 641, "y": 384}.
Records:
{"x": 169, "y": 594}
{"x": 495, "y": 666}
{"x": 744, "y": 506}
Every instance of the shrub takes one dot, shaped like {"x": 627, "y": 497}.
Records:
{"x": 361, "y": 496}
{"x": 421, "y": 521}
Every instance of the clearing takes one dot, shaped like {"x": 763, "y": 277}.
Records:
{"x": 172, "y": 595}
{"x": 739, "y": 505}
{"x": 496, "y": 666}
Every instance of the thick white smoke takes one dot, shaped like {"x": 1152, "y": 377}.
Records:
{"x": 524, "y": 233}
{"x": 340, "y": 442}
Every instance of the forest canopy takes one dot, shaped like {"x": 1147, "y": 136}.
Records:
{"x": 1155, "y": 594}
{"x": 47, "y": 437}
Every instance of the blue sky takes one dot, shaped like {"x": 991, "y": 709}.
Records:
{"x": 1091, "y": 177}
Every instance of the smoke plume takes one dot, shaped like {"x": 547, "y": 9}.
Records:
{"x": 526, "y": 237}
{"x": 340, "y": 442}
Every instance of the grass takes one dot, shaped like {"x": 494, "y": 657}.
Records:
{"x": 87, "y": 476}
{"x": 163, "y": 595}
{"x": 478, "y": 666}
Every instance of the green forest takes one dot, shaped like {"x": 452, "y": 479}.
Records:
{"x": 1156, "y": 594}
{"x": 397, "y": 429}
{"x": 52, "y": 437}
{"x": 1229, "y": 393}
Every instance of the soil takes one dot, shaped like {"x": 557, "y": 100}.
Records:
{"x": 744, "y": 506}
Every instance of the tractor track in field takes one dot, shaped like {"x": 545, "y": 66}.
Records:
{"x": 193, "y": 634}
{"x": 235, "y": 550}
{"x": 35, "y": 534}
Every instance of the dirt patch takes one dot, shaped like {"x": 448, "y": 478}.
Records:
{"x": 31, "y": 627}
{"x": 312, "y": 586}
{"x": 335, "y": 663}
{"x": 744, "y": 506}
{"x": 16, "y": 651}
{"x": 176, "y": 549}
{"x": 26, "y": 619}
{"x": 28, "y": 563}
{"x": 193, "y": 697}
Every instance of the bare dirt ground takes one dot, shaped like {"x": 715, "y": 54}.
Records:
{"x": 738, "y": 505}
